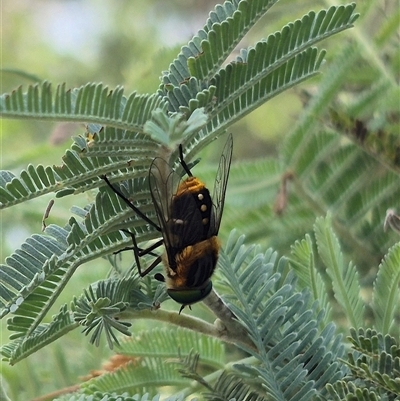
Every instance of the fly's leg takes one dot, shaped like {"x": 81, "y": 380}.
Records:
{"x": 141, "y": 252}
{"x": 138, "y": 252}
{"x": 130, "y": 204}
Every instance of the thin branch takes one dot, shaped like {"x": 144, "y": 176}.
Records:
{"x": 225, "y": 328}
{"x": 230, "y": 328}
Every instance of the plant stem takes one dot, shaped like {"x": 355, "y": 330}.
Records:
{"x": 231, "y": 329}
{"x": 226, "y": 328}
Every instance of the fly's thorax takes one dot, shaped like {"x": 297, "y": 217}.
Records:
{"x": 193, "y": 266}
{"x": 190, "y": 214}
{"x": 192, "y": 184}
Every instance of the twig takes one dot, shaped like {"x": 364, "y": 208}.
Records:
{"x": 229, "y": 326}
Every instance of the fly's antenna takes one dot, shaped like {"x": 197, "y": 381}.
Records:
{"x": 183, "y": 163}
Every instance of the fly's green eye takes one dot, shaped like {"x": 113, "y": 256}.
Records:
{"x": 191, "y": 296}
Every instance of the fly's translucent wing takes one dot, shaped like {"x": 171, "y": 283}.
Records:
{"x": 163, "y": 183}
{"x": 221, "y": 182}
{"x": 179, "y": 216}
{"x": 186, "y": 212}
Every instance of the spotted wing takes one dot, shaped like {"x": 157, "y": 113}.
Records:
{"x": 221, "y": 182}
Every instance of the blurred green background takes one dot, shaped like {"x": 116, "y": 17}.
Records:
{"x": 124, "y": 43}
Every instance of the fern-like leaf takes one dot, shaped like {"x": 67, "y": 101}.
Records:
{"x": 280, "y": 324}
{"x": 136, "y": 377}
{"x": 344, "y": 391}
{"x": 333, "y": 175}
{"x": 230, "y": 386}
{"x": 241, "y": 87}
{"x": 44, "y": 334}
{"x": 376, "y": 362}
{"x": 303, "y": 263}
{"x": 385, "y": 299}
{"x": 27, "y": 268}
{"x": 224, "y": 16}
{"x": 112, "y": 142}
{"x": 99, "y": 307}
{"x": 37, "y": 274}
{"x": 79, "y": 172}
{"x": 279, "y": 63}
{"x": 89, "y": 103}
{"x": 165, "y": 343}
{"x": 105, "y": 396}
{"x": 224, "y": 31}
{"x": 345, "y": 281}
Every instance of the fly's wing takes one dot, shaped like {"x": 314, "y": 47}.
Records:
{"x": 163, "y": 183}
{"x": 179, "y": 217}
{"x": 221, "y": 182}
